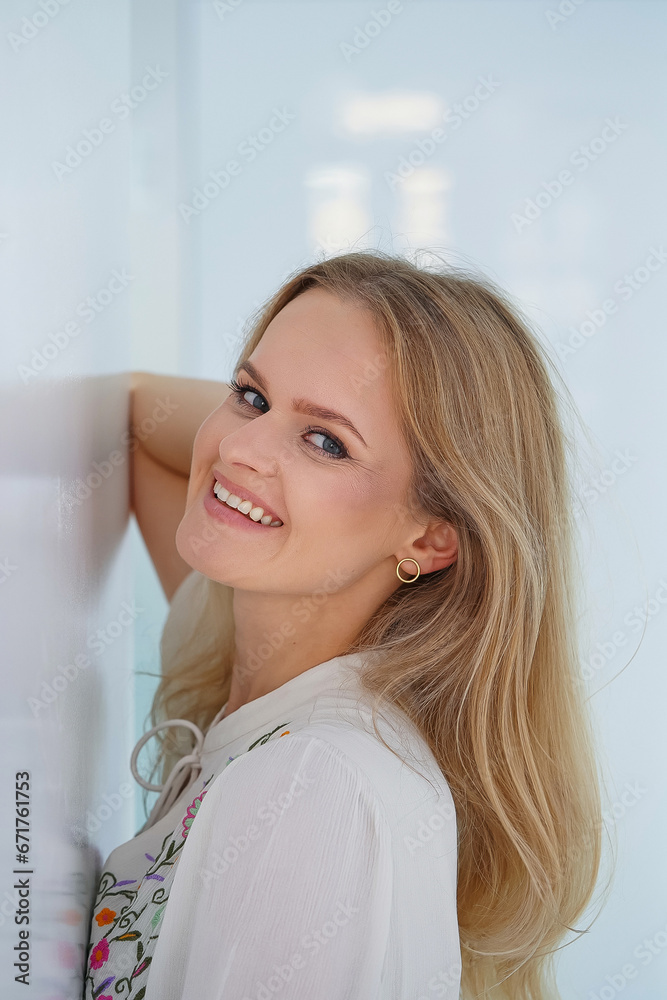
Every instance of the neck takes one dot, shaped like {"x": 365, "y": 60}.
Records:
{"x": 279, "y": 636}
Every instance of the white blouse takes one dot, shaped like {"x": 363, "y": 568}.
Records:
{"x": 304, "y": 860}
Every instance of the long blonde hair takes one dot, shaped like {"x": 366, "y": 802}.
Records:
{"x": 482, "y": 656}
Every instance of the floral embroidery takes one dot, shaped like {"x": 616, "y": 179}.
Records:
{"x": 100, "y": 954}
{"x": 193, "y": 809}
{"x": 267, "y": 736}
{"x": 132, "y": 910}
{"x": 156, "y": 916}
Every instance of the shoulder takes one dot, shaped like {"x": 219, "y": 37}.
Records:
{"x": 335, "y": 776}
{"x": 295, "y": 786}
{"x": 395, "y": 758}
{"x": 297, "y": 802}
{"x": 303, "y": 761}
{"x": 406, "y": 781}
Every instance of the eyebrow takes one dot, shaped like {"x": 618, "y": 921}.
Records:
{"x": 304, "y": 405}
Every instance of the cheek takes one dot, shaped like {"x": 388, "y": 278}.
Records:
{"x": 376, "y": 511}
{"x": 347, "y": 514}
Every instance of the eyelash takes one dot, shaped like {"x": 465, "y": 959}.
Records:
{"x": 238, "y": 388}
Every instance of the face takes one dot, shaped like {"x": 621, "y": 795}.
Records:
{"x": 339, "y": 495}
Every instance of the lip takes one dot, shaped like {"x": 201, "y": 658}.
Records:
{"x": 229, "y": 515}
{"x": 245, "y": 494}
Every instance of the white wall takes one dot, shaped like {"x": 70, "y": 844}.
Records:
{"x": 329, "y": 179}
{"x": 67, "y": 692}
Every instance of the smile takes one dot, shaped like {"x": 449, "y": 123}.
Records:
{"x": 245, "y": 507}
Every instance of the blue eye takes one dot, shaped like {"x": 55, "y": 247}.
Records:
{"x": 240, "y": 389}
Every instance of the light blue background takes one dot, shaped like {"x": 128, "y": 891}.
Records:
{"x": 317, "y": 187}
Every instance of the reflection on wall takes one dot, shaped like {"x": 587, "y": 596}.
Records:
{"x": 339, "y": 215}
{"x": 67, "y": 606}
{"x": 423, "y": 215}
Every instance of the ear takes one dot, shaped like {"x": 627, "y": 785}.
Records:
{"x": 437, "y": 548}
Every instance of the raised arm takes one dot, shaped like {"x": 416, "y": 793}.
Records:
{"x": 165, "y": 414}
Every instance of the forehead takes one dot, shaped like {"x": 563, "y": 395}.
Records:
{"x": 319, "y": 324}
{"x": 328, "y": 350}
{"x": 328, "y": 342}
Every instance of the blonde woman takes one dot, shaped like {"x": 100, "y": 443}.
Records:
{"x": 377, "y": 774}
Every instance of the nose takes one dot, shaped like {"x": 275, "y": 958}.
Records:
{"x": 255, "y": 445}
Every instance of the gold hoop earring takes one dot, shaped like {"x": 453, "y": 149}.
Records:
{"x": 408, "y": 559}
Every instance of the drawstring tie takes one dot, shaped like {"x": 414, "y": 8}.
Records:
{"x": 181, "y": 775}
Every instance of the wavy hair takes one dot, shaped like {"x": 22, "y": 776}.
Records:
{"x": 482, "y": 656}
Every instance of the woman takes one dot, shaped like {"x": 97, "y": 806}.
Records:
{"x": 379, "y": 779}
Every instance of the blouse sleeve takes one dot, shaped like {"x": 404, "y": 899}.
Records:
{"x": 286, "y": 879}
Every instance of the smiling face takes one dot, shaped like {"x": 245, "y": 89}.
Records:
{"x": 340, "y": 495}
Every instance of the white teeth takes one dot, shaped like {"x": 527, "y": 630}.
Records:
{"x": 244, "y": 506}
